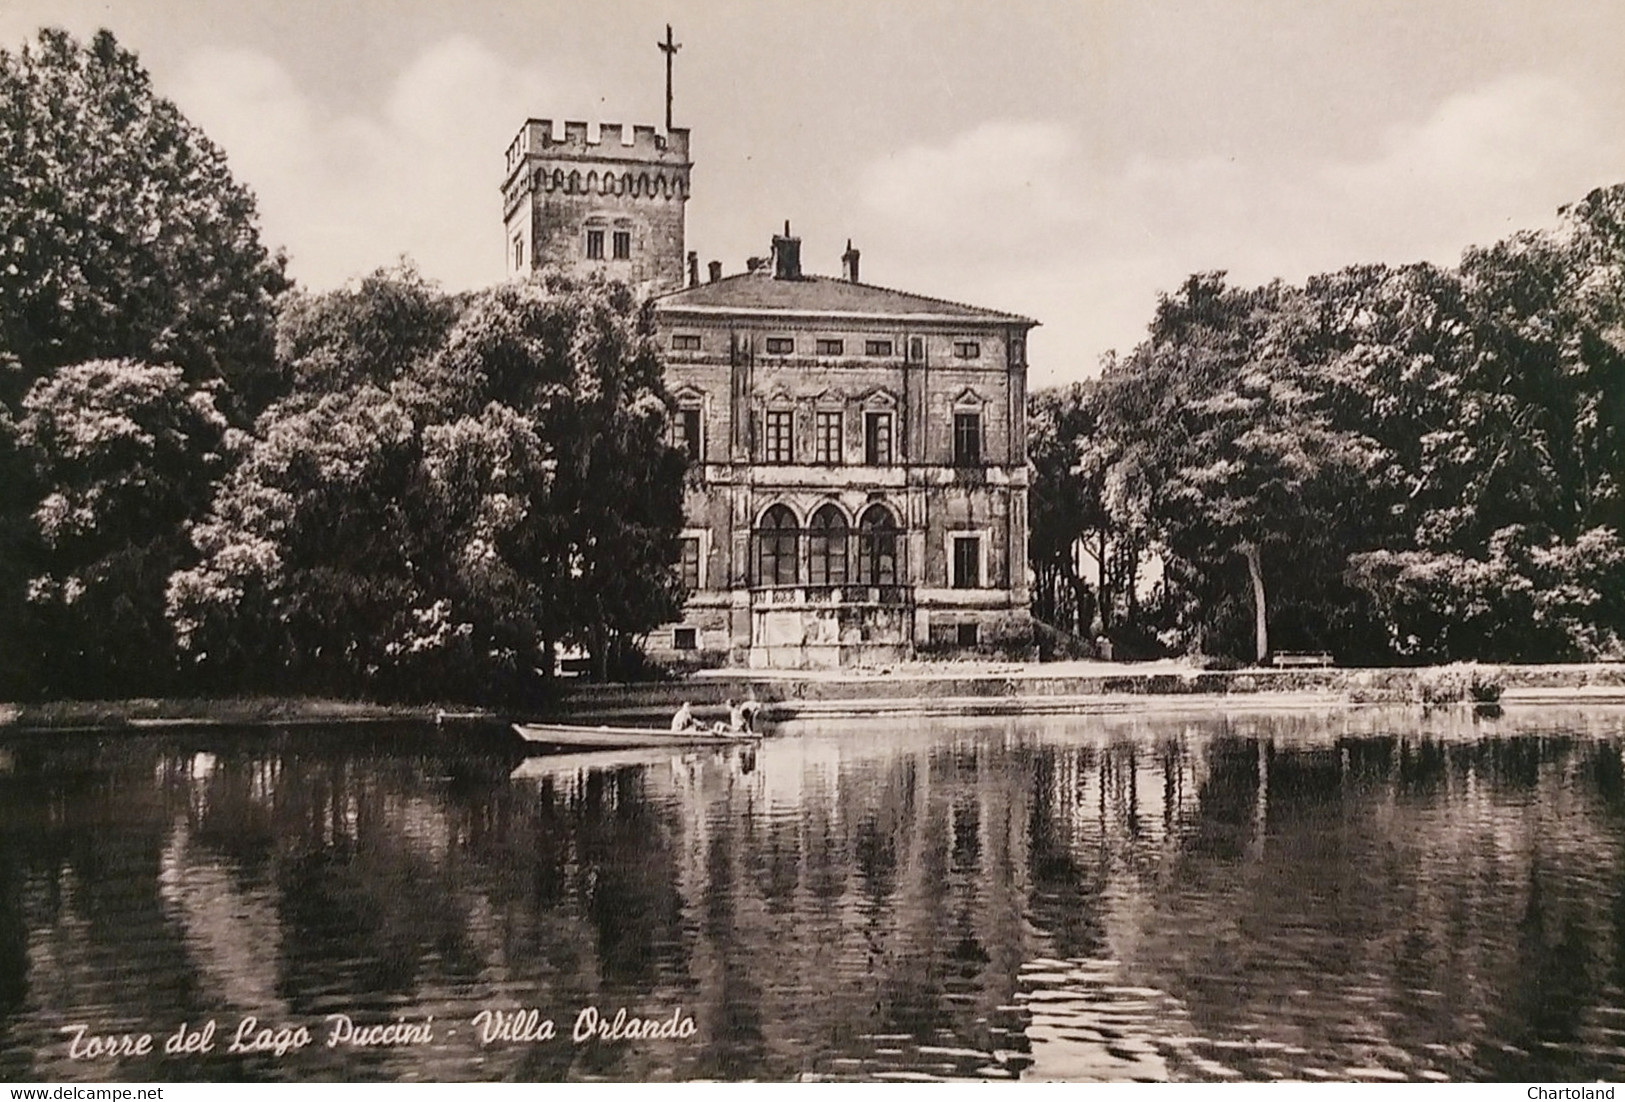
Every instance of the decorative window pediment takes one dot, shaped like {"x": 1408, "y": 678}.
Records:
{"x": 880, "y": 398}
{"x": 969, "y": 399}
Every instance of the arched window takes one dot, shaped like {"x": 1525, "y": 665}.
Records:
{"x": 778, "y": 545}
{"x": 877, "y": 547}
{"x": 826, "y": 547}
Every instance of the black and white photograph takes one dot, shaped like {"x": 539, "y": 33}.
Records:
{"x": 811, "y": 542}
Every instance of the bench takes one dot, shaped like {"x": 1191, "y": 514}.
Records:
{"x": 1301, "y": 658}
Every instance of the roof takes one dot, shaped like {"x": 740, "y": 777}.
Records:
{"x": 821, "y": 296}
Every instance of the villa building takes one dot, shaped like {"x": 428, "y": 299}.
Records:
{"x": 860, "y": 489}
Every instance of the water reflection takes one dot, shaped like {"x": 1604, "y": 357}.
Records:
{"x": 1372, "y": 895}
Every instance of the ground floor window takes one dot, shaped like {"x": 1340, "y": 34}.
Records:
{"x": 688, "y": 562}
{"x": 967, "y": 564}
{"x": 877, "y": 547}
{"x": 826, "y": 547}
{"x": 778, "y": 546}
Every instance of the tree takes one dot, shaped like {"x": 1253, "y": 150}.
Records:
{"x": 122, "y": 233}
{"x": 454, "y": 506}
{"x": 123, "y": 455}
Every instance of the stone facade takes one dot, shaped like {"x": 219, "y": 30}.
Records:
{"x": 611, "y": 202}
{"x": 859, "y": 488}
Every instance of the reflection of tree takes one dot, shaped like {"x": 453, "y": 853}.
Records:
{"x": 846, "y": 907}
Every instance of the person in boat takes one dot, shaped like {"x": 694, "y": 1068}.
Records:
{"x": 742, "y": 718}
{"x": 684, "y": 719}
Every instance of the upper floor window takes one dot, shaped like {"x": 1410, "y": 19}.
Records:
{"x": 967, "y": 350}
{"x": 518, "y": 252}
{"x": 685, "y": 342}
{"x": 623, "y": 244}
{"x": 1018, "y": 351}
{"x": 916, "y": 350}
{"x": 877, "y": 439}
{"x": 780, "y": 436}
{"x": 595, "y": 244}
{"x": 827, "y": 438}
{"x": 780, "y": 346}
{"x": 877, "y": 348}
{"x": 967, "y": 439}
{"x": 828, "y": 347}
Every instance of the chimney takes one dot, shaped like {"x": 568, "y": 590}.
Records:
{"x": 786, "y": 254}
{"x": 714, "y": 270}
{"x": 849, "y": 263}
{"x": 693, "y": 269}
{"x": 753, "y": 263}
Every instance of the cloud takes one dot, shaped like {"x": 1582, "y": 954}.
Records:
{"x": 1024, "y": 219}
{"x": 418, "y": 174}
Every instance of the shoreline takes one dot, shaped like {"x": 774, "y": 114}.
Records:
{"x": 923, "y": 690}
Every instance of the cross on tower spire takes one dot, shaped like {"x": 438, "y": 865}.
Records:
{"x": 669, "y": 48}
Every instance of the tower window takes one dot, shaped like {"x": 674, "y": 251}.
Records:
{"x": 781, "y": 346}
{"x": 967, "y": 439}
{"x": 623, "y": 245}
{"x": 595, "y": 244}
{"x": 827, "y": 347}
{"x": 518, "y": 252}
{"x": 685, "y": 342}
{"x": 967, "y": 350}
{"x": 877, "y": 348}
{"x": 780, "y": 428}
{"x": 827, "y": 439}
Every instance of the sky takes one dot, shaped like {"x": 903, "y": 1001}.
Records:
{"x": 1064, "y": 160}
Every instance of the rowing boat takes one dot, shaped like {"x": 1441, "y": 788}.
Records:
{"x": 563, "y": 734}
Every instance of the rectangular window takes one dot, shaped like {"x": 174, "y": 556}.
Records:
{"x": 967, "y": 562}
{"x": 916, "y": 350}
{"x": 686, "y": 434}
{"x": 827, "y": 347}
{"x": 877, "y": 348}
{"x": 780, "y": 346}
{"x": 518, "y": 253}
{"x": 827, "y": 438}
{"x": 966, "y": 635}
{"x": 877, "y": 439}
{"x": 623, "y": 245}
{"x": 967, "y": 439}
{"x": 967, "y": 350}
{"x": 1018, "y": 351}
{"x": 780, "y": 433}
{"x": 685, "y": 638}
{"x": 688, "y": 562}
{"x": 595, "y": 244}
{"x": 685, "y": 342}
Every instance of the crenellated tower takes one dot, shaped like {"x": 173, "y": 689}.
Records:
{"x": 611, "y": 201}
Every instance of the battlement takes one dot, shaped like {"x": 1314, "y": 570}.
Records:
{"x": 573, "y": 138}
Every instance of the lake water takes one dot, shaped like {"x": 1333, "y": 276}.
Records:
{"x": 1361, "y": 895}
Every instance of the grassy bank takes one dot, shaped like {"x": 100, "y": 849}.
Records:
{"x": 158, "y": 713}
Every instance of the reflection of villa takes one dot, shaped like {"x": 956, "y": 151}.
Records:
{"x": 859, "y": 452}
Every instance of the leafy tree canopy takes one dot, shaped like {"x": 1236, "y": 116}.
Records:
{"x": 122, "y": 232}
